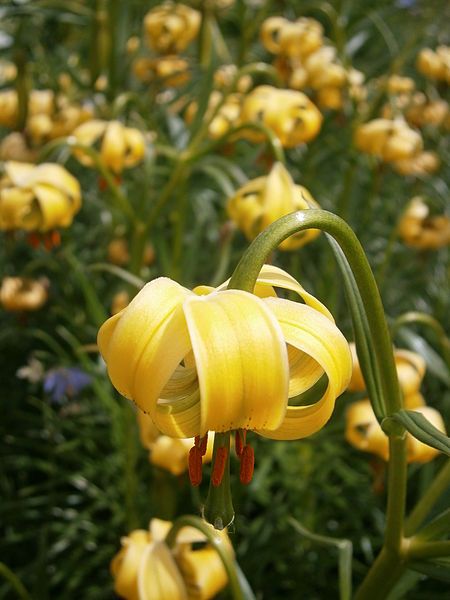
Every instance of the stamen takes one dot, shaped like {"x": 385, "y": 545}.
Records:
{"x": 195, "y": 466}
{"x": 220, "y": 462}
{"x": 247, "y": 465}
{"x": 239, "y": 441}
{"x": 34, "y": 240}
{"x": 55, "y": 238}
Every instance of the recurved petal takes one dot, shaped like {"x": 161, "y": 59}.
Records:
{"x": 276, "y": 277}
{"x": 363, "y": 431}
{"x": 21, "y": 174}
{"x": 114, "y": 146}
{"x": 311, "y": 332}
{"x": 125, "y": 565}
{"x": 241, "y": 361}
{"x": 203, "y": 572}
{"x": 144, "y": 343}
{"x": 55, "y": 207}
{"x": 135, "y": 146}
{"x": 159, "y": 577}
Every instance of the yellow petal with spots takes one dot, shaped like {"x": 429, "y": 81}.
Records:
{"x": 312, "y": 333}
{"x": 241, "y": 361}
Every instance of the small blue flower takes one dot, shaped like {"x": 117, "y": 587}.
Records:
{"x": 65, "y": 382}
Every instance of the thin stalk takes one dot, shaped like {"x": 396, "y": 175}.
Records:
{"x": 437, "y": 488}
{"x": 397, "y": 481}
{"x": 130, "y": 480}
{"x": 418, "y": 549}
{"x": 383, "y": 577}
{"x": 14, "y": 581}
{"x": 248, "y": 269}
{"x": 178, "y": 174}
{"x": 216, "y": 542}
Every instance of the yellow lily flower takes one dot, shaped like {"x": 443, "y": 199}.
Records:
{"x": 120, "y": 147}
{"x": 290, "y": 114}
{"x": 364, "y": 433}
{"x": 295, "y": 39}
{"x": 421, "y": 111}
{"x": 146, "y": 569}
{"x": 435, "y": 64}
{"x": 263, "y": 200}
{"x": 21, "y": 294}
{"x": 225, "y": 74}
{"x": 410, "y": 368}
{"x": 420, "y": 230}
{"x": 227, "y": 116}
{"x": 15, "y": 147}
{"x": 170, "y": 454}
{"x": 390, "y": 140}
{"x": 422, "y": 164}
{"x": 171, "y": 27}
{"x": 397, "y": 84}
{"x": 37, "y": 197}
{"x": 189, "y": 354}
{"x": 172, "y": 70}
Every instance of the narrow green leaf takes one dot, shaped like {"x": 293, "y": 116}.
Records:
{"x": 345, "y": 553}
{"x": 437, "y": 569}
{"x": 421, "y": 429}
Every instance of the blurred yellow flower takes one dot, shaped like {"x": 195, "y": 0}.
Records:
{"x": 181, "y": 366}
{"x": 263, "y": 200}
{"x": 435, "y": 64}
{"x": 120, "y": 301}
{"x": 40, "y": 102}
{"x": 396, "y": 84}
{"x": 170, "y": 27}
{"x": 170, "y": 71}
{"x": 422, "y": 164}
{"x": 410, "y": 368}
{"x": 147, "y": 569}
{"x": 225, "y": 117}
{"x": 389, "y": 140}
{"x": 364, "y": 433}
{"x": 290, "y": 114}
{"x": 37, "y": 197}
{"x": 14, "y": 146}
{"x": 298, "y": 38}
{"x": 120, "y": 147}
{"x": 418, "y": 229}
{"x": 21, "y": 294}
{"x": 170, "y": 454}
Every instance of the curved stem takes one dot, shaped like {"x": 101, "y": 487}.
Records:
{"x": 273, "y": 141}
{"x": 418, "y": 549}
{"x": 216, "y": 542}
{"x": 420, "y": 512}
{"x": 15, "y": 582}
{"x": 248, "y": 269}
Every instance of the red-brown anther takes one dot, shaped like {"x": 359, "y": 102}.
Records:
{"x": 55, "y": 238}
{"x": 220, "y": 461}
{"x": 203, "y": 444}
{"x": 247, "y": 465}
{"x": 195, "y": 466}
{"x": 239, "y": 441}
{"x": 34, "y": 240}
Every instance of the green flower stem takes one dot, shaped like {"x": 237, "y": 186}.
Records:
{"x": 274, "y": 143}
{"x": 138, "y": 242}
{"x": 385, "y": 572}
{"x": 437, "y": 488}
{"x": 428, "y": 321}
{"x": 437, "y": 527}
{"x": 178, "y": 175}
{"x": 22, "y": 85}
{"x": 216, "y": 542}
{"x": 130, "y": 479}
{"x": 248, "y": 269}
{"x": 205, "y": 38}
{"x": 397, "y": 481}
{"x": 14, "y": 581}
{"x": 418, "y": 549}
{"x": 119, "y": 197}
{"x": 218, "y": 508}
